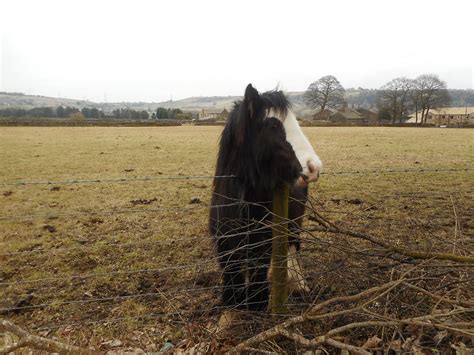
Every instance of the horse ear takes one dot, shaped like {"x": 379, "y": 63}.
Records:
{"x": 248, "y": 110}
{"x": 251, "y": 100}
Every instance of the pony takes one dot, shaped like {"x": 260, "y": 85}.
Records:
{"x": 261, "y": 148}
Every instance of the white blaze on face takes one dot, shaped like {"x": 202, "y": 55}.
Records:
{"x": 305, "y": 153}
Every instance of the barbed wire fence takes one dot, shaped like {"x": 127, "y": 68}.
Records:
{"x": 384, "y": 296}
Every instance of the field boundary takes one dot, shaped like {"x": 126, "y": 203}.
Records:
{"x": 88, "y": 123}
{"x": 52, "y": 122}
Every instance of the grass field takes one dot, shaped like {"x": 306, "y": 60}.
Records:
{"x": 141, "y": 244}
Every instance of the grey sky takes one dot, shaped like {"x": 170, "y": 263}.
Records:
{"x": 149, "y": 50}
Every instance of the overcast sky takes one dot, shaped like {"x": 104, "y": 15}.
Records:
{"x": 152, "y": 50}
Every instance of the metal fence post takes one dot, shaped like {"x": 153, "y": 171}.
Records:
{"x": 279, "y": 293}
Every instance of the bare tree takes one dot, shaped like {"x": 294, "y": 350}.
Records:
{"x": 326, "y": 92}
{"x": 430, "y": 92}
{"x": 395, "y": 98}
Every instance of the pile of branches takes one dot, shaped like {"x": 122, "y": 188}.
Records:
{"x": 377, "y": 294}
{"x": 399, "y": 315}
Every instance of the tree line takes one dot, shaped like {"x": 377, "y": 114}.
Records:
{"x": 71, "y": 112}
{"x": 92, "y": 112}
{"x": 394, "y": 100}
{"x": 171, "y": 114}
{"x": 49, "y": 112}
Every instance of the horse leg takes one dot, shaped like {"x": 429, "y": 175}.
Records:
{"x": 296, "y": 281}
{"x": 233, "y": 296}
{"x": 234, "y": 285}
{"x": 258, "y": 265}
{"x": 296, "y": 210}
{"x": 257, "y": 290}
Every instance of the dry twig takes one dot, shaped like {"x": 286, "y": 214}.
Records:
{"x": 38, "y": 343}
{"x": 327, "y": 226}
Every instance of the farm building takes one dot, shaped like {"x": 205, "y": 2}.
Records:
{"x": 323, "y": 115}
{"x": 447, "y": 116}
{"x": 369, "y": 115}
{"x": 351, "y": 115}
{"x": 211, "y": 113}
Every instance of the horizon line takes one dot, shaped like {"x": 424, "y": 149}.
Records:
{"x": 184, "y": 98}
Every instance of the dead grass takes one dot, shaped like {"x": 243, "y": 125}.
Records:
{"x": 113, "y": 231}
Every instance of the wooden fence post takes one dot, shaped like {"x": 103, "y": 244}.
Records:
{"x": 279, "y": 293}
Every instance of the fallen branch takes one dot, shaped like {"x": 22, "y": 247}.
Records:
{"x": 327, "y": 226}
{"x": 439, "y": 298}
{"x": 35, "y": 342}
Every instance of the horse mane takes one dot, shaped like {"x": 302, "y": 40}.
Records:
{"x": 235, "y": 153}
{"x": 274, "y": 101}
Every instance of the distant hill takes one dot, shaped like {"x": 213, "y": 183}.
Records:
{"x": 20, "y": 100}
{"x": 365, "y": 98}
{"x": 221, "y": 102}
{"x": 197, "y": 103}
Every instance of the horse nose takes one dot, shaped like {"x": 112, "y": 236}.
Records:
{"x": 313, "y": 171}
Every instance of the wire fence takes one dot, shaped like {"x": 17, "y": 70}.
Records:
{"x": 104, "y": 281}
{"x": 84, "y": 211}
{"x": 205, "y": 177}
